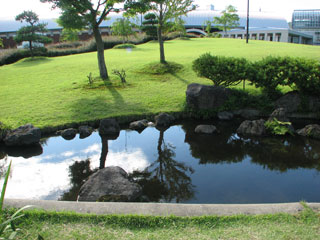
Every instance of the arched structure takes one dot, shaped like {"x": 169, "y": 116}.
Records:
{"x": 195, "y": 30}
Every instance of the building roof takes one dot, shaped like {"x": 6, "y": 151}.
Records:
{"x": 195, "y": 18}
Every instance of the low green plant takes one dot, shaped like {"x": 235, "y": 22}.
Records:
{"x": 8, "y": 229}
{"x": 121, "y": 74}
{"x": 157, "y": 68}
{"x": 222, "y": 71}
{"x": 124, "y": 46}
{"x": 277, "y": 127}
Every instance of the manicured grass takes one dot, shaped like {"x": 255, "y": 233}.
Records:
{"x": 52, "y": 225}
{"x": 55, "y": 91}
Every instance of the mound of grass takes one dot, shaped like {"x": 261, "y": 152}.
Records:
{"x": 124, "y": 46}
{"x": 156, "y": 68}
{"x": 51, "y": 92}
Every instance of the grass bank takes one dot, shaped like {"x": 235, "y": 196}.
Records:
{"x": 50, "y": 92}
{"x": 53, "y": 225}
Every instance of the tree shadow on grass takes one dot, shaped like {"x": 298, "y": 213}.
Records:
{"x": 96, "y": 108}
{"x": 29, "y": 62}
{"x": 179, "y": 78}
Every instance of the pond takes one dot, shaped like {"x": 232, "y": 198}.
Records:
{"x": 176, "y": 165}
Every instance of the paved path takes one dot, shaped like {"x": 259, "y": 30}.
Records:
{"x": 161, "y": 209}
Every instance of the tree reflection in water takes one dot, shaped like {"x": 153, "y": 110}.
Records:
{"x": 166, "y": 179}
{"x": 275, "y": 153}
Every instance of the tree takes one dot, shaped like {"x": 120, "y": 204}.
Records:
{"x": 229, "y": 19}
{"x": 208, "y": 27}
{"x": 149, "y": 25}
{"x": 1, "y": 42}
{"x": 32, "y": 33}
{"x": 124, "y": 28}
{"x": 178, "y": 26}
{"x": 87, "y": 13}
{"x": 164, "y": 11}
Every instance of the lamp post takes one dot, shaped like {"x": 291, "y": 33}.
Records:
{"x": 247, "y": 39}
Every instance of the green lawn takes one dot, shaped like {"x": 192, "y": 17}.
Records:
{"x": 55, "y": 91}
{"x": 52, "y": 225}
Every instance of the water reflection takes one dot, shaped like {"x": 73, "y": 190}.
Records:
{"x": 174, "y": 165}
{"x": 274, "y": 153}
{"x": 166, "y": 179}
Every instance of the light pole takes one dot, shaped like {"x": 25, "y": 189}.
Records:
{"x": 247, "y": 39}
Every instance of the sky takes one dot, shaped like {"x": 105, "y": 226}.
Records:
{"x": 10, "y": 8}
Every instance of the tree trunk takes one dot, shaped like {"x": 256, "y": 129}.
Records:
{"x": 100, "y": 51}
{"x": 160, "y": 26}
{"x": 160, "y": 155}
{"x": 104, "y": 152}
{"x": 31, "y": 48}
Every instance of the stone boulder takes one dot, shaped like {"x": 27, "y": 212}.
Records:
{"x": 311, "y": 130}
{"x": 206, "y": 97}
{"x": 109, "y": 126}
{"x": 252, "y": 128}
{"x": 139, "y": 125}
{"x": 85, "y": 131}
{"x": 225, "y": 115}
{"x": 22, "y": 136}
{"x": 290, "y": 102}
{"x": 109, "y": 184}
{"x": 280, "y": 114}
{"x": 163, "y": 120}
{"x": 69, "y": 133}
{"x": 206, "y": 129}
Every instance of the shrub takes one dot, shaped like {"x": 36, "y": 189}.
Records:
{"x": 269, "y": 73}
{"x": 124, "y": 46}
{"x": 157, "y": 68}
{"x": 223, "y": 71}
{"x": 304, "y": 75}
{"x": 299, "y": 73}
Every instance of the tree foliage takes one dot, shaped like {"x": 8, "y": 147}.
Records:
{"x": 32, "y": 33}
{"x": 149, "y": 25}
{"x": 1, "y": 42}
{"x": 87, "y": 14}
{"x": 164, "y": 10}
{"x": 228, "y": 20}
{"x": 124, "y": 28}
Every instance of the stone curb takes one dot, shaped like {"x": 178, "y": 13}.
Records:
{"x": 161, "y": 209}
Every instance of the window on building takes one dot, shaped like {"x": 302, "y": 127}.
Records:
{"x": 278, "y": 37}
{"x": 261, "y": 36}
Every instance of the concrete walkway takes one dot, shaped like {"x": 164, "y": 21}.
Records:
{"x": 161, "y": 209}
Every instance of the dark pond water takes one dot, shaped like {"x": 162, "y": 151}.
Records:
{"x": 175, "y": 165}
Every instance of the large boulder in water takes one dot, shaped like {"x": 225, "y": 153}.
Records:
{"x": 109, "y": 184}
{"x": 3, "y": 132}
{"x": 163, "y": 120}
{"x": 311, "y": 130}
{"x": 206, "y": 129}
{"x": 280, "y": 114}
{"x": 69, "y": 133}
{"x": 206, "y": 97}
{"x": 252, "y": 128}
{"x": 139, "y": 125}
{"x": 85, "y": 131}
{"x": 109, "y": 127}
{"x": 22, "y": 136}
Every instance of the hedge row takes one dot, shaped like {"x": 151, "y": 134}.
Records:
{"x": 269, "y": 73}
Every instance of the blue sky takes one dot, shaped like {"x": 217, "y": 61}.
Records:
{"x": 10, "y": 8}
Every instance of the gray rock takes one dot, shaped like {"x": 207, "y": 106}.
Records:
{"x": 225, "y": 115}
{"x": 109, "y": 184}
{"x": 109, "y": 126}
{"x": 311, "y": 130}
{"x": 290, "y": 102}
{"x": 206, "y": 129}
{"x": 252, "y": 128}
{"x": 139, "y": 125}
{"x": 206, "y": 97}
{"x": 163, "y": 120}
{"x": 69, "y": 133}
{"x": 280, "y": 114}
{"x": 250, "y": 114}
{"x": 85, "y": 131}
{"x": 24, "y": 135}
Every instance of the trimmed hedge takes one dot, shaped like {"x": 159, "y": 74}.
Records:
{"x": 269, "y": 73}
{"x": 222, "y": 71}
